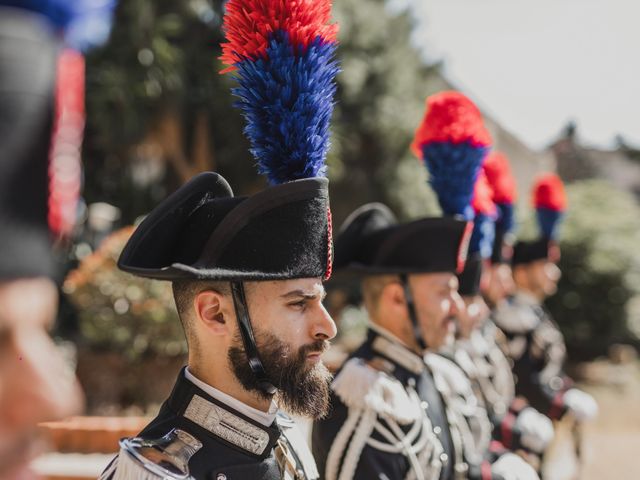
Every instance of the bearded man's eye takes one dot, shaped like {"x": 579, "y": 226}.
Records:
{"x": 298, "y": 305}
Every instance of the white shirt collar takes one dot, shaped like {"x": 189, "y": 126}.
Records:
{"x": 527, "y": 297}
{"x": 263, "y": 418}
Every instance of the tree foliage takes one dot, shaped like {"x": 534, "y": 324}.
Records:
{"x": 119, "y": 312}
{"x": 598, "y": 298}
{"x": 159, "y": 112}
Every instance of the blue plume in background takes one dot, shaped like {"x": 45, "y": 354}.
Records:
{"x": 483, "y": 235}
{"x": 453, "y": 171}
{"x": 549, "y": 222}
{"x": 505, "y": 221}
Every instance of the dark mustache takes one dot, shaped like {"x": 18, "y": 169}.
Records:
{"x": 319, "y": 346}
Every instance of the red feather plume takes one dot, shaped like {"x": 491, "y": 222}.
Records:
{"x": 451, "y": 117}
{"x": 498, "y": 170}
{"x": 248, "y": 25}
{"x": 548, "y": 192}
{"x": 482, "y": 202}
{"x": 65, "y": 162}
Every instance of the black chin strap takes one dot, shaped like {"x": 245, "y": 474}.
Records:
{"x": 408, "y": 296}
{"x": 248, "y": 339}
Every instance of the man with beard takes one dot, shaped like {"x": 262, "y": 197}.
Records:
{"x": 396, "y": 411}
{"x": 517, "y": 426}
{"x": 534, "y": 341}
{"x": 247, "y": 272}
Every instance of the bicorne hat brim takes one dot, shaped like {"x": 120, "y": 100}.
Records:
{"x": 203, "y": 232}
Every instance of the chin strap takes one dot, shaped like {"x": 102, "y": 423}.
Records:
{"x": 408, "y": 296}
{"x": 248, "y": 338}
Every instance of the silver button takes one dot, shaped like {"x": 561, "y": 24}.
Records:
{"x": 556, "y": 383}
{"x": 444, "y": 458}
{"x": 437, "y": 430}
{"x": 424, "y": 405}
{"x": 411, "y": 382}
{"x": 221, "y": 476}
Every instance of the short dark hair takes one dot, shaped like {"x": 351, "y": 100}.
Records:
{"x": 184, "y": 291}
{"x": 372, "y": 287}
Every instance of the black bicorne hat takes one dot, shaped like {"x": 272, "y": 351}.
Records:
{"x": 534, "y": 250}
{"x": 371, "y": 242}
{"x": 203, "y": 232}
{"x": 550, "y": 202}
{"x": 469, "y": 279}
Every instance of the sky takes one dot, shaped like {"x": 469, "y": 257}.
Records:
{"x": 534, "y": 65}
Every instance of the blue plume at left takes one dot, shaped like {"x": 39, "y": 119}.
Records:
{"x": 287, "y": 101}
{"x": 453, "y": 171}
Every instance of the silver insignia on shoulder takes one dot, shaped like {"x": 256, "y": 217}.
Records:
{"x": 166, "y": 458}
{"x": 227, "y": 426}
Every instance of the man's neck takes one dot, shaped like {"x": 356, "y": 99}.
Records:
{"x": 406, "y": 341}
{"x": 225, "y": 381}
{"x": 529, "y": 295}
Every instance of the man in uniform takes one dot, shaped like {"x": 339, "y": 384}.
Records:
{"x": 534, "y": 341}
{"x": 516, "y": 425}
{"x": 247, "y": 272}
{"x": 393, "y": 416}
{"x": 36, "y": 384}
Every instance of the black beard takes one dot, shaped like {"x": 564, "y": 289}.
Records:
{"x": 302, "y": 390}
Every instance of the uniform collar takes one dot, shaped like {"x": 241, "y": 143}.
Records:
{"x": 264, "y": 418}
{"x": 526, "y": 298}
{"x": 393, "y": 349}
{"x": 221, "y": 420}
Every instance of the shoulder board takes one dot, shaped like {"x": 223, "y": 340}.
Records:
{"x": 455, "y": 378}
{"x": 359, "y": 386}
{"x": 174, "y": 450}
{"x": 514, "y": 317}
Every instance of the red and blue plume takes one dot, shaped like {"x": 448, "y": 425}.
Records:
{"x": 452, "y": 140}
{"x": 283, "y": 52}
{"x": 500, "y": 177}
{"x": 550, "y": 202}
{"x": 485, "y": 215}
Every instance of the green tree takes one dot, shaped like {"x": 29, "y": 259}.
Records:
{"x": 382, "y": 90}
{"x": 159, "y": 112}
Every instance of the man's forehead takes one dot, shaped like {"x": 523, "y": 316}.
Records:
{"x": 440, "y": 278}
{"x": 304, "y": 287}
{"x": 299, "y": 286}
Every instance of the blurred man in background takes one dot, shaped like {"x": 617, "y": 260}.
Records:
{"x": 35, "y": 383}
{"x": 534, "y": 341}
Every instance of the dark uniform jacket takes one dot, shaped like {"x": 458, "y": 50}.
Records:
{"x": 489, "y": 371}
{"x": 234, "y": 447}
{"x": 389, "y": 421}
{"x": 536, "y": 347}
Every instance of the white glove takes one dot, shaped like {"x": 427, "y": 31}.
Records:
{"x": 512, "y": 467}
{"x": 536, "y": 430}
{"x": 582, "y": 405}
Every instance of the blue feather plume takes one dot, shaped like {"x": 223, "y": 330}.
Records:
{"x": 453, "y": 171}
{"x": 549, "y": 222}
{"x": 483, "y": 235}
{"x": 287, "y": 100}
{"x": 505, "y": 222}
